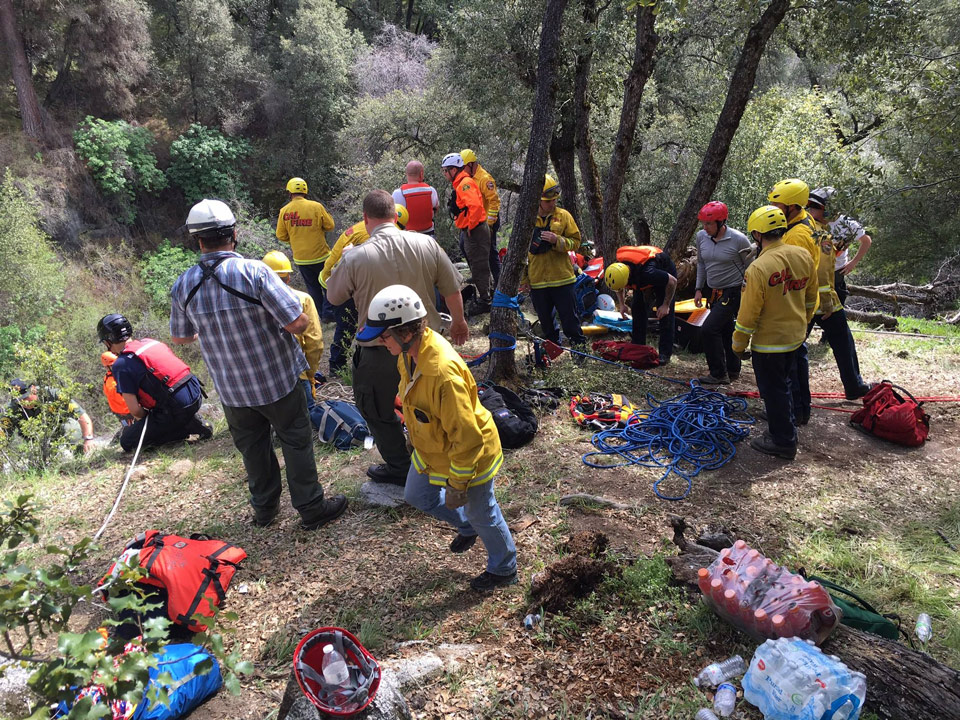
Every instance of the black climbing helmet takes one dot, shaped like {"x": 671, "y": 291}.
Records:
{"x": 114, "y": 328}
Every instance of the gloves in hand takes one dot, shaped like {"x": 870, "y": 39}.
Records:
{"x": 454, "y": 498}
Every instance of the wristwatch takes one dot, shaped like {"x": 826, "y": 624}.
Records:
{"x": 87, "y": 437}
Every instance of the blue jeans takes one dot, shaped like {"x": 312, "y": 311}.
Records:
{"x": 480, "y": 516}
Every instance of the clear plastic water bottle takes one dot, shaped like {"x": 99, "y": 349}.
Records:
{"x": 715, "y": 673}
{"x": 334, "y": 667}
{"x": 531, "y": 621}
{"x": 725, "y": 700}
{"x": 705, "y": 714}
{"x": 923, "y": 630}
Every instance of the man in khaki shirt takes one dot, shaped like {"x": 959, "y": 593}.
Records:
{"x": 390, "y": 257}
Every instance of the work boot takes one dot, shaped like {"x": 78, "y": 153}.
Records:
{"x": 477, "y": 307}
{"x": 329, "y": 511}
{"x": 801, "y": 417}
{"x": 734, "y": 376}
{"x": 766, "y": 445}
{"x": 462, "y": 543}
{"x": 383, "y": 474}
{"x": 711, "y": 380}
{"x": 487, "y": 582}
{"x": 264, "y": 518}
{"x": 860, "y": 391}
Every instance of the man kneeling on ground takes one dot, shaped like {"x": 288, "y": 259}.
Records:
{"x": 151, "y": 379}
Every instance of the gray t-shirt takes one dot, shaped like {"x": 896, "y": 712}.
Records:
{"x": 721, "y": 263}
{"x": 393, "y": 257}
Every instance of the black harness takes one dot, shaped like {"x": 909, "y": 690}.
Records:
{"x": 209, "y": 270}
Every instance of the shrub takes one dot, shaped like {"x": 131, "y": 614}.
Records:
{"x": 50, "y": 432}
{"x": 37, "y": 602}
{"x": 120, "y": 158}
{"x": 32, "y": 284}
{"x": 161, "y": 268}
{"x": 206, "y": 163}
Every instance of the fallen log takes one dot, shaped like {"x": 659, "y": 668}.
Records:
{"x": 888, "y": 321}
{"x": 902, "y": 684}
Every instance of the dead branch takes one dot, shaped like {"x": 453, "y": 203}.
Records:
{"x": 888, "y": 321}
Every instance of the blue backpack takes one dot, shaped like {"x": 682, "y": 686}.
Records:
{"x": 339, "y": 423}
{"x": 586, "y": 294}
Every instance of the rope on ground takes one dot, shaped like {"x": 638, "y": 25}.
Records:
{"x": 684, "y": 435}
{"x": 333, "y": 390}
{"x": 123, "y": 487}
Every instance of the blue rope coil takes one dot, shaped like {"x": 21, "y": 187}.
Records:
{"x": 684, "y": 435}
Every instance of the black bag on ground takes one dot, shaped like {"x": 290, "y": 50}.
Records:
{"x": 515, "y": 420}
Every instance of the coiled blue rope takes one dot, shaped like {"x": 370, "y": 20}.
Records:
{"x": 684, "y": 435}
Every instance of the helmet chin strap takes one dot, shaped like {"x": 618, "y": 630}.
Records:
{"x": 720, "y": 225}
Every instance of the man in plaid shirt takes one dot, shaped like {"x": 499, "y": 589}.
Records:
{"x": 246, "y": 319}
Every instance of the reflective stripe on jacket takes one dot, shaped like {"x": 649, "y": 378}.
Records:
{"x": 554, "y": 268}
{"x": 303, "y": 224}
{"x": 454, "y": 438}
{"x": 469, "y": 202}
{"x": 778, "y": 300}
{"x": 826, "y": 278}
{"x": 488, "y": 189}
{"x": 418, "y": 197}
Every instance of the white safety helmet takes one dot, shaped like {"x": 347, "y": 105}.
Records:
{"x": 452, "y": 160}
{"x": 605, "y": 302}
{"x": 394, "y": 305}
{"x": 211, "y": 218}
{"x": 820, "y": 196}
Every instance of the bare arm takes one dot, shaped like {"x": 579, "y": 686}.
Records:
{"x": 183, "y": 340}
{"x": 865, "y": 242}
{"x": 298, "y": 325}
{"x": 459, "y": 330}
{"x": 86, "y": 428}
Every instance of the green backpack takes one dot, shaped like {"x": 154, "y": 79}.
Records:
{"x": 862, "y": 615}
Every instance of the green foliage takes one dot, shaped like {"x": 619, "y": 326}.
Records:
{"x": 120, "y": 158}
{"x": 37, "y": 599}
{"x": 160, "y": 269}
{"x": 206, "y": 163}
{"x": 41, "y": 432}
{"x": 32, "y": 284}
{"x": 10, "y": 336}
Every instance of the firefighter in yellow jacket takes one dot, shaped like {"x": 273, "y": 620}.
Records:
{"x": 778, "y": 301}
{"x": 311, "y": 339}
{"x": 791, "y": 196}
{"x": 303, "y": 224}
{"x": 491, "y": 203}
{"x": 456, "y": 447}
{"x": 549, "y": 271}
{"x": 830, "y": 315}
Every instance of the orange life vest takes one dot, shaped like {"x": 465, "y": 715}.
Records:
{"x": 418, "y": 198}
{"x": 193, "y": 571}
{"x": 161, "y": 363}
{"x": 637, "y": 254}
{"x": 118, "y": 406}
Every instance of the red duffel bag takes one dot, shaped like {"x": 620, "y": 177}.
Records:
{"x": 888, "y": 415}
{"x": 638, "y": 356}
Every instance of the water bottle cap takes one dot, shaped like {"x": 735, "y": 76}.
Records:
{"x": 327, "y": 649}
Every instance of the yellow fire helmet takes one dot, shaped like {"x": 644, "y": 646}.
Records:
{"x": 766, "y": 218}
{"x": 616, "y": 276}
{"x": 403, "y": 216}
{"x": 468, "y": 156}
{"x": 278, "y": 262}
{"x": 297, "y": 186}
{"x": 551, "y": 189}
{"x": 790, "y": 192}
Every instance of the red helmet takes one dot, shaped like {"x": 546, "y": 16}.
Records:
{"x": 713, "y": 211}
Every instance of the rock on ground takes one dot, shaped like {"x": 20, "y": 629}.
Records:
{"x": 382, "y": 494}
{"x": 14, "y": 693}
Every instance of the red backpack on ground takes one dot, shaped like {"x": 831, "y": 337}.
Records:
{"x": 638, "y": 356}
{"x": 886, "y": 414}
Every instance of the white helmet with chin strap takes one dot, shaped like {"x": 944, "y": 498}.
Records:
{"x": 393, "y": 306}
{"x": 211, "y": 218}
{"x": 452, "y": 160}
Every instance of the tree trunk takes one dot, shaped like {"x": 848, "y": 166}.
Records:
{"x": 741, "y": 85}
{"x": 563, "y": 156}
{"x": 503, "y": 365}
{"x": 888, "y": 321}
{"x": 902, "y": 684}
{"x": 409, "y": 15}
{"x": 582, "y": 136}
{"x": 31, "y": 116}
{"x": 645, "y": 45}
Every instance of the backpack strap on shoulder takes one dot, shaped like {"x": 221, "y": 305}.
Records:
{"x": 209, "y": 271}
